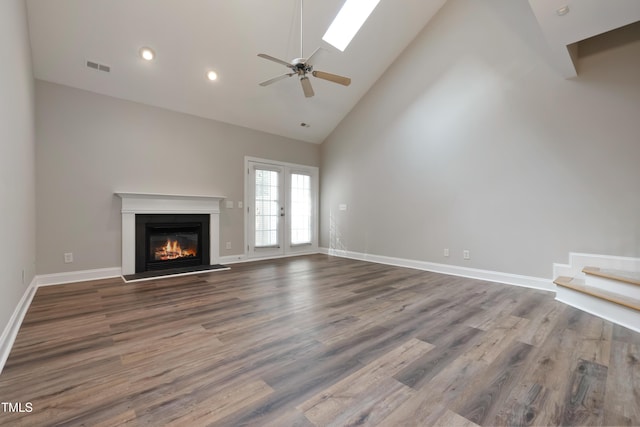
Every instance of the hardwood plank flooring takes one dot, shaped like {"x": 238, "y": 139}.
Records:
{"x": 317, "y": 341}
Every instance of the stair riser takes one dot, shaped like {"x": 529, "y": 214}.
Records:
{"x": 607, "y": 310}
{"x": 611, "y": 285}
{"x": 577, "y": 261}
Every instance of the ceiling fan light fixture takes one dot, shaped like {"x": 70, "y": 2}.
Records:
{"x": 348, "y": 22}
{"x": 147, "y": 53}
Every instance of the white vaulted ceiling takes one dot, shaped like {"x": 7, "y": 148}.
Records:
{"x": 584, "y": 19}
{"x": 192, "y": 36}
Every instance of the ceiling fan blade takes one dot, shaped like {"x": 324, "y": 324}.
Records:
{"x": 271, "y": 58}
{"x": 275, "y": 79}
{"x": 306, "y": 86}
{"x": 346, "y": 81}
{"x": 310, "y": 59}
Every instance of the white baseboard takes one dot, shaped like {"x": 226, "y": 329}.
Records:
{"x": 613, "y": 286}
{"x": 235, "y": 259}
{"x": 171, "y": 276}
{"x": 78, "y": 276}
{"x": 577, "y": 261}
{"x": 598, "y": 307}
{"x": 454, "y": 270}
{"x": 11, "y": 330}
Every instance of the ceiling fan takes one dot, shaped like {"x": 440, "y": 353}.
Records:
{"x": 302, "y": 66}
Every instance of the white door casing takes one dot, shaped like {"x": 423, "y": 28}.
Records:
{"x": 281, "y": 208}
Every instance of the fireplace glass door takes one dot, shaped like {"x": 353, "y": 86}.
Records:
{"x": 170, "y": 246}
{"x": 170, "y": 241}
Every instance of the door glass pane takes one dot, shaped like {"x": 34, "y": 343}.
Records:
{"x": 300, "y": 209}
{"x": 267, "y": 208}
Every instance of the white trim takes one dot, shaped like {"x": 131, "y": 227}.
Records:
{"x": 77, "y": 276}
{"x": 578, "y": 260}
{"x": 10, "y": 332}
{"x": 598, "y": 307}
{"x": 614, "y": 286}
{"x": 250, "y": 252}
{"x": 168, "y": 276}
{"x": 564, "y": 270}
{"x": 154, "y": 196}
{"x": 233, "y": 259}
{"x": 236, "y": 259}
{"x": 277, "y": 163}
{"x": 454, "y": 270}
{"x": 152, "y": 203}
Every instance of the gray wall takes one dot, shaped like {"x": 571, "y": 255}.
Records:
{"x": 473, "y": 140}
{"x": 89, "y": 146}
{"x": 17, "y": 139}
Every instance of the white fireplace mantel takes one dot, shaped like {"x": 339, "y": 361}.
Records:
{"x": 149, "y": 203}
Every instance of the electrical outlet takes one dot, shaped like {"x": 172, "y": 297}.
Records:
{"x": 68, "y": 258}
{"x": 446, "y": 252}
{"x": 228, "y": 245}
{"x": 240, "y": 205}
{"x": 465, "y": 254}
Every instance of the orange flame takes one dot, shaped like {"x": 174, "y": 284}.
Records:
{"x": 173, "y": 250}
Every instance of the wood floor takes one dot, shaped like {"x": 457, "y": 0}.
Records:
{"x": 321, "y": 341}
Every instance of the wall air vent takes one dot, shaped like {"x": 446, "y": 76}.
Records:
{"x": 98, "y": 67}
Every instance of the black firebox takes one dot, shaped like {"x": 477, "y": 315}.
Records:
{"x": 169, "y": 241}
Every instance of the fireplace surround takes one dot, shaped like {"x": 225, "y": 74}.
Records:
{"x": 167, "y": 241}
{"x": 163, "y": 206}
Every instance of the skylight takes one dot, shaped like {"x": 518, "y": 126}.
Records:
{"x": 348, "y": 22}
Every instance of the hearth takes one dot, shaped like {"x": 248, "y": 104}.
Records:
{"x": 170, "y": 241}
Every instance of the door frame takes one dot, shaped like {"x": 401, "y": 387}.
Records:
{"x": 250, "y": 219}
{"x": 288, "y": 249}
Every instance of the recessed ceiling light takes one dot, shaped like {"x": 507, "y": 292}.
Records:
{"x": 147, "y": 53}
{"x": 348, "y": 22}
{"x": 562, "y": 11}
{"x": 212, "y": 75}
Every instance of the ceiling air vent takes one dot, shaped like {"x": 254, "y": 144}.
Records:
{"x": 98, "y": 67}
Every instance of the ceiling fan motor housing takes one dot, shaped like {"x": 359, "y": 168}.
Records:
{"x": 300, "y": 66}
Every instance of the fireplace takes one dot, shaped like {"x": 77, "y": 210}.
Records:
{"x": 175, "y": 207}
{"x": 169, "y": 241}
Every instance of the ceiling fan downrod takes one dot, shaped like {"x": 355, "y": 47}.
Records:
{"x": 301, "y": 30}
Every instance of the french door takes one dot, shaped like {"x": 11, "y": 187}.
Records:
{"x": 281, "y": 208}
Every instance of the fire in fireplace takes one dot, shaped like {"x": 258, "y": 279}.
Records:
{"x": 179, "y": 245}
{"x": 171, "y": 241}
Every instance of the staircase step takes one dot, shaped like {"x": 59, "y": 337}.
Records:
{"x": 616, "y": 281}
{"x": 580, "y": 286}
{"x": 630, "y": 277}
{"x": 568, "y": 282}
